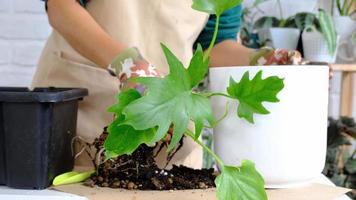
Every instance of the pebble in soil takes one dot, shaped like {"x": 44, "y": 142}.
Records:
{"x": 139, "y": 171}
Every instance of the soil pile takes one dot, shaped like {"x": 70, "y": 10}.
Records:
{"x": 139, "y": 171}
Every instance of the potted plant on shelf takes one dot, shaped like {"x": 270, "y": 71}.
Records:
{"x": 278, "y": 33}
{"x": 248, "y": 34}
{"x": 320, "y": 40}
{"x": 345, "y": 26}
{"x": 347, "y": 50}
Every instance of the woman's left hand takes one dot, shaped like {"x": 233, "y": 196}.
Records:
{"x": 269, "y": 56}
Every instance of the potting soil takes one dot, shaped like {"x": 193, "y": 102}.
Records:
{"x": 140, "y": 171}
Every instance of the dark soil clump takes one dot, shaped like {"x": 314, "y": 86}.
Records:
{"x": 139, "y": 171}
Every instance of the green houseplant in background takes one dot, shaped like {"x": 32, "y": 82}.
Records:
{"x": 340, "y": 166}
{"x": 278, "y": 32}
{"x": 307, "y": 22}
{"x": 248, "y": 35}
{"x": 345, "y": 8}
{"x": 171, "y": 101}
{"x": 320, "y": 39}
{"x": 345, "y": 25}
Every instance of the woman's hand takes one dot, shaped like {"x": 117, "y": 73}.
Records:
{"x": 269, "y": 56}
{"x": 231, "y": 53}
{"x": 130, "y": 64}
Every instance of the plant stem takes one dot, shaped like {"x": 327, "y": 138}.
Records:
{"x": 280, "y": 8}
{"x": 338, "y": 4}
{"x": 222, "y": 118}
{"x": 225, "y": 114}
{"x": 212, "y": 43}
{"x": 344, "y": 8}
{"x": 217, "y": 94}
{"x": 207, "y": 149}
{"x": 348, "y": 9}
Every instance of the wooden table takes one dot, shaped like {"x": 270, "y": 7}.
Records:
{"x": 13, "y": 194}
{"x": 347, "y": 87}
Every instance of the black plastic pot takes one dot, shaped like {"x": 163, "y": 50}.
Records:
{"x": 36, "y": 132}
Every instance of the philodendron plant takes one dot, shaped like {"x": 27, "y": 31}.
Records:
{"x": 171, "y": 101}
{"x": 305, "y": 21}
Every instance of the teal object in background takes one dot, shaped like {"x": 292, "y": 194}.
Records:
{"x": 230, "y": 22}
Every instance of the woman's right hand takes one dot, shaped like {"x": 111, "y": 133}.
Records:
{"x": 130, "y": 64}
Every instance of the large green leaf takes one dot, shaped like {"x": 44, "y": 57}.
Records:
{"x": 198, "y": 68}
{"x": 170, "y": 100}
{"x": 123, "y": 99}
{"x": 328, "y": 30}
{"x": 240, "y": 183}
{"x": 251, "y": 94}
{"x": 304, "y": 20}
{"x": 216, "y": 7}
{"x": 338, "y": 4}
{"x": 124, "y": 139}
{"x": 266, "y": 22}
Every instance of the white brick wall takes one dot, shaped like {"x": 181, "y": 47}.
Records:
{"x": 24, "y": 28}
{"x": 23, "y": 31}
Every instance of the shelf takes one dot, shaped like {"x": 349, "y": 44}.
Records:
{"x": 347, "y": 87}
{"x": 344, "y": 67}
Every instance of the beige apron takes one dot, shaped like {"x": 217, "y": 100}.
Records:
{"x": 136, "y": 23}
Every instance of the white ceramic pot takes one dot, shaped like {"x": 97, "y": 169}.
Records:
{"x": 345, "y": 27}
{"x": 281, "y": 38}
{"x": 288, "y": 146}
{"x": 347, "y": 52}
{"x": 315, "y": 47}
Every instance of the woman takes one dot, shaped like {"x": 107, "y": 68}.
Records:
{"x": 91, "y": 37}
